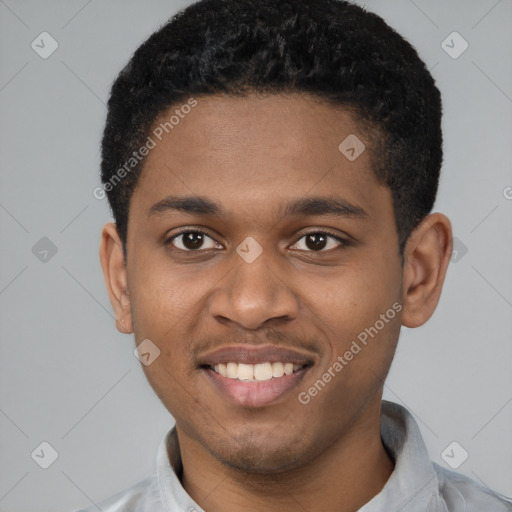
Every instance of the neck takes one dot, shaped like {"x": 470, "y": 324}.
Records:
{"x": 343, "y": 478}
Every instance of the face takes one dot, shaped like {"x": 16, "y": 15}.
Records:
{"x": 255, "y": 244}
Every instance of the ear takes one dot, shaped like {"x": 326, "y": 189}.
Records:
{"x": 427, "y": 255}
{"x": 114, "y": 271}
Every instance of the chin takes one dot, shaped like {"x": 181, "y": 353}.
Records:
{"x": 256, "y": 462}
{"x": 257, "y": 455}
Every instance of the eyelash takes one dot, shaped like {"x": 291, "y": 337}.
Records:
{"x": 344, "y": 242}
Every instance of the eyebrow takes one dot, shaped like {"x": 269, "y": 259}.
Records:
{"x": 197, "y": 205}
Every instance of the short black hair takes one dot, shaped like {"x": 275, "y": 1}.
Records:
{"x": 332, "y": 49}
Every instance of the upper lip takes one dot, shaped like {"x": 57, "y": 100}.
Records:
{"x": 251, "y": 354}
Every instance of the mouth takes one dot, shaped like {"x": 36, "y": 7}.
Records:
{"x": 259, "y": 372}
{"x": 255, "y": 376}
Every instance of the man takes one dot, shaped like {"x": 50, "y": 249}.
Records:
{"x": 271, "y": 168}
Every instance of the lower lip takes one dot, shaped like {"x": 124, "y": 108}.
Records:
{"x": 258, "y": 393}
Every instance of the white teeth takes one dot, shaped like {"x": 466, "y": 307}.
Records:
{"x": 232, "y": 369}
{"x": 288, "y": 368}
{"x": 277, "y": 369}
{"x": 223, "y": 370}
{"x": 255, "y": 372}
{"x": 263, "y": 371}
{"x": 245, "y": 371}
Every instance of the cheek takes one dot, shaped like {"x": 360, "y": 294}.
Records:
{"x": 162, "y": 296}
{"x": 358, "y": 312}
{"x": 350, "y": 299}
{"x": 167, "y": 382}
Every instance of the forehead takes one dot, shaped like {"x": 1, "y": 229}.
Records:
{"x": 249, "y": 151}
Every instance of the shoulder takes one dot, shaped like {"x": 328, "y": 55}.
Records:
{"x": 135, "y": 498}
{"x": 461, "y": 493}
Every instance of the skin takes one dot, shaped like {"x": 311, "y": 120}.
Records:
{"x": 251, "y": 155}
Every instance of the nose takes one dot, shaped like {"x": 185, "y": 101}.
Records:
{"x": 253, "y": 294}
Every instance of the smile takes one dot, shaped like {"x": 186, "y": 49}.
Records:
{"x": 256, "y": 372}
{"x": 254, "y": 376}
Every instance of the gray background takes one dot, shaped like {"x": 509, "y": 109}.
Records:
{"x": 69, "y": 378}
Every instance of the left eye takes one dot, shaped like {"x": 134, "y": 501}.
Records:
{"x": 319, "y": 241}
{"x": 192, "y": 240}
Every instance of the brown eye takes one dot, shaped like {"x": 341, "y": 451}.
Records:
{"x": 316, "y": 241}
{"x": 319, "y": 241}
{"x": 192, "y": 241}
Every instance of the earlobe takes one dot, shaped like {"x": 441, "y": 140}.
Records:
{"x": 114, "y": 272}
{"x": 426, "y": 260}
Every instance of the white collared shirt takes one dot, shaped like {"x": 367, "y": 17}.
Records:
{"x": 416, "y": 485}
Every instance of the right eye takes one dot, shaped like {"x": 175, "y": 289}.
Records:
{"x": 191, "y": 240}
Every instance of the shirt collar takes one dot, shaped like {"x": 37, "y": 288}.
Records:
{"x": 413, "y": 483}
{"x": 169, "y": 472}
{"x": 410, "y": 488}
